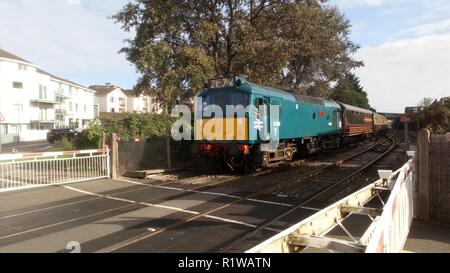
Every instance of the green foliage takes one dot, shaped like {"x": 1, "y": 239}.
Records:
{"x": 349, "y": 90}
{"x": 300, "y": 45}
{"x": 436, "y": 115}
{"x": 134, "y": 125}
{"x": 84, "y": 141}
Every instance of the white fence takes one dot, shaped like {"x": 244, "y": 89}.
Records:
{"x": 392, "y": 228}
{"x": 20, "y": 171}
{"x": 390, "y": 221}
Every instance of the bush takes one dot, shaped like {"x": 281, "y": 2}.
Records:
{"x": 83, "y": 141}
{"x": 129, "y": 126}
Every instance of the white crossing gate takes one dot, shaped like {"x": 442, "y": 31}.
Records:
{"x": 28, "y": 170}
{"x": 390, "y": 232}
{"x": 387, "y": 233}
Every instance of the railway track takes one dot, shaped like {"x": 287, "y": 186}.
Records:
{"x": 326, "y": 186}
{"x": 293, "y": 186}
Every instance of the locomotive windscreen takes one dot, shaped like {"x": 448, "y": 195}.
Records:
{"x": 225, "y": 97}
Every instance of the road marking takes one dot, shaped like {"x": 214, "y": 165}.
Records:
{"x": 125, "y": 192}
{"x": 62, "y": 223}
{"x": 164, "y": 207}
{"x": 64, "y": 205}
{"x": 205, "y": 192}
{"x": 308, "y": 208}
{"x": 132, "y": 203}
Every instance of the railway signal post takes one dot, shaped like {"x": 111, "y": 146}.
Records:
{"x": 406, "y": 120}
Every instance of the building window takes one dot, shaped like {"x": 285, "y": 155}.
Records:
{"x": 85, "y": 108}
{"x": 18, "y": 85}
{"x": 43, "y": 114}
{"x": 42, "y": 92}
{"x": 70, "y": 107}
{"x": 96, "y": 111}
{"x": 13, "y": 129}
{"x": 76, "y": 107}
{"x": 111, "y": 99}
{"x": 113, "y": 110}
{"x": 22, "y": 67}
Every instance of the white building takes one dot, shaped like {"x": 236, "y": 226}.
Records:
{"x": 113, "y": 99}
{"x": 110, "y": 98}
{"x": 139, "y": 103}
{"x": 33, "y": 101}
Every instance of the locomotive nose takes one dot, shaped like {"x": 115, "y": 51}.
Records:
{"x": 233, "y": 150}
{"x": 195, "y": 149}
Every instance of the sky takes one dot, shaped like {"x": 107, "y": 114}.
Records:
{"x": 405, "y": 44}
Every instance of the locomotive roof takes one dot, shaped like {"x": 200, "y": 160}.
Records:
{"x": 355, "y": 109}
{"x": 295, "y": 97}
{"x": 270, "y": 91}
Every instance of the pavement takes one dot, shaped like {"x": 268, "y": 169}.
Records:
{"x": 428, "y": 237}
{"x": 34, "y": 146}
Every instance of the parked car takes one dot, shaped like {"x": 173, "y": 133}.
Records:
{"x": 57, "y": 134}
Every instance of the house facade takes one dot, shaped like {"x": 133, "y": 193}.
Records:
{"x": 110, "y": 98}
{"x": 33, "y": 101}
{"x": 141, "y": 103}
{"x": 113, "y": 99}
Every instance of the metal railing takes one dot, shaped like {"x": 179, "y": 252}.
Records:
{"x": 21, "y": 171}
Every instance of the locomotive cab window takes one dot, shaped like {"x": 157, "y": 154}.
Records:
{"x": 223, "y": 98}
{"x": 259, "y": 102}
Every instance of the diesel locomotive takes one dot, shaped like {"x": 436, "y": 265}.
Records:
{"x": 275, "y": 126}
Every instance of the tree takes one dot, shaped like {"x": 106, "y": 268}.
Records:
{"x": 179, "y": 44}
{"x": 349, "y": 90}
{"x": 436, "y": 114}
{"x": 425, "y": 102}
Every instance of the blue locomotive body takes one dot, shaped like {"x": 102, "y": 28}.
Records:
{"x": 297, "y": 123}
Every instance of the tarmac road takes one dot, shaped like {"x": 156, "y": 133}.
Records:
{"x": 35, "y": 146}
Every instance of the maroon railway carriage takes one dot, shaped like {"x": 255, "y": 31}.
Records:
{"x": 356, "y": 121}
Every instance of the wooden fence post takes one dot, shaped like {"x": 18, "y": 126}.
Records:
{"x": 168, "y": 151}
{"x": 103, "y": 141}
{"x": 423, "y": 175}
